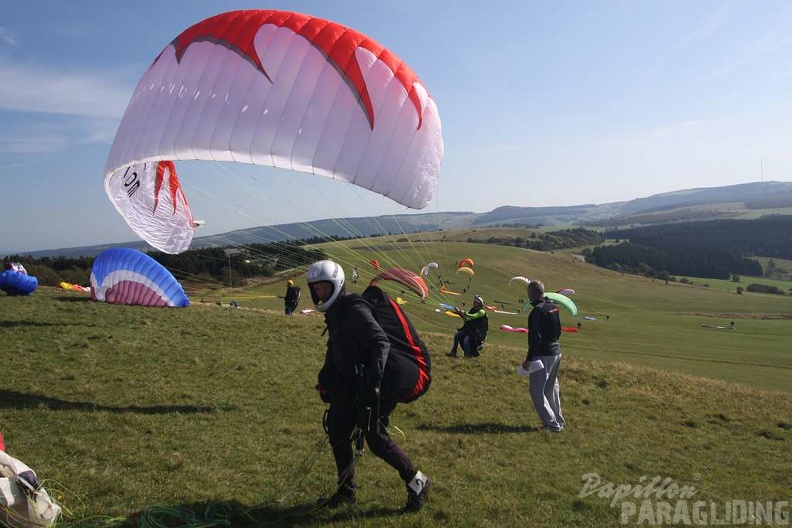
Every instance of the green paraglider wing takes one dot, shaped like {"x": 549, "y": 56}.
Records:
{"x": 562, "y": 300}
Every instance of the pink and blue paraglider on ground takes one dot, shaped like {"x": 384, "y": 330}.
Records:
{"x": 127, "y": 276}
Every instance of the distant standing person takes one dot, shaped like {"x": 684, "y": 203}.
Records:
{"x": 354, "y": 273}
{"x": 544, "y": 329}
{"x": 292, "y": 297}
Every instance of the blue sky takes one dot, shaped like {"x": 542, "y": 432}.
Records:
{"x": 542, "y": 103}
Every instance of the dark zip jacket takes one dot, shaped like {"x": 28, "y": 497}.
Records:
{"x": 544, "y": 329}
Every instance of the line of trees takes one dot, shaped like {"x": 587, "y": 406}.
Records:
{"x": 567, "y": 238}
{"x": 715, "y": 249}
{"x": 654, "y": 261}
{"x": 206, "y": 265}
{"x": 769, "y": 236}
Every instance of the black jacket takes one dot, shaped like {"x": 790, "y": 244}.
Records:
{"x": 359, "y": 354}
{"x": 355, "y": 341}
{"x": 544, "y": 329}
{"x": 292, "y": 295}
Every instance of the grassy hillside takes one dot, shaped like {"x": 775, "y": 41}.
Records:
{"x": 651, "y": 323}
{"x": 153, "y": 416}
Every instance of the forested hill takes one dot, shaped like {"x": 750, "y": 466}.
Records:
{"x": 715, "y": 249}
{"x": 770, "y": 236}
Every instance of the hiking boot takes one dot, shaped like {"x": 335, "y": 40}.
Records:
{"x": 451, "y": 354}
{"x": 341, "y": 497}
{"x": 417, "y": 489}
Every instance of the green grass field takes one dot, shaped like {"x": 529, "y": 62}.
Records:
{"x": 208, "y": 416}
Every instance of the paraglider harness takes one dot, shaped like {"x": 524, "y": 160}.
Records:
{"x": 367, "y": 409}
{"x": 406, "y": 346}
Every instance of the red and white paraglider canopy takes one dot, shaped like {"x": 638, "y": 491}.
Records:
{"x": 273, "y": 88}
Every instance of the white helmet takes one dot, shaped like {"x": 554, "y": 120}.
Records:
{"x": 326, "y": 271}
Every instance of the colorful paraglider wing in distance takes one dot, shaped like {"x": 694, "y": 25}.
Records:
{"x": 127, "y": 276}
{"x": 469, "y": 271}
{"x": 405, "y": 277}
{"x": 589, "y": 318}
{"x": 507, "y": 328}
{"x": 466, "y": 263}
{"x": 16, "y": 283}
{"x": 703, "y": 325}
{"x": 562, "y": 300}
{"x": 299, "y": 92}
{"x": 430, "y": 266}
{"x": 448, "y": 292}
{"x": 375, "y": 263}
{"x": 520, "y": 278}
{"x": 74, "y": 287}
{"x": 566, "y": 291}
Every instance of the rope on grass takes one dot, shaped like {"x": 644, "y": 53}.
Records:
{"x": 216, "y": 514}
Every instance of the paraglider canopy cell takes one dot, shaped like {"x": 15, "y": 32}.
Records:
{"x": 406, "y": 277}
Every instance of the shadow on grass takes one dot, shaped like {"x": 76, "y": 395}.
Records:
{"x": 233, "y": 514}
{"x": 480, "y": 428}
{"x": 19, "y": 400}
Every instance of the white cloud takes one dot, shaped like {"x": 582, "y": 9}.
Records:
{"x": 49, "y": 137}
{"x": 33, "y": 143}
{"x": 46, "y": 90}
{"x": 6, "y": 37}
